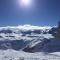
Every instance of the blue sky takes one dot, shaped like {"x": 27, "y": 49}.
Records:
{"x": 40, "y": 13}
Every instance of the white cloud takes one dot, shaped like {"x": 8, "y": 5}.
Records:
{"x": 27, "y": 27}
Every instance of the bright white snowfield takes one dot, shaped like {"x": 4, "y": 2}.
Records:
{"x": 27, "y": 42}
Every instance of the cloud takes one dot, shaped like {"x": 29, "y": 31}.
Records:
{"x": 27, "y": 27}
{"x": 31, "y": 27}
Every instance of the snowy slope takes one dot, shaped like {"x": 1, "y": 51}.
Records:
{"x": 20, "y": 55}
{"x": 27, "y": 42}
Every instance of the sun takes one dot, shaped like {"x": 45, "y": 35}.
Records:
{"x": 25, "y": 3}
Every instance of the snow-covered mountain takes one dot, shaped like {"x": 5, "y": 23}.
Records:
{"x": 29, "y": 31}
{"x": 25, "y": 35}
{"x": 28, "y": 39}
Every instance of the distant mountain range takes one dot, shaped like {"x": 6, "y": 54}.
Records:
{"x": 29, "y": 38}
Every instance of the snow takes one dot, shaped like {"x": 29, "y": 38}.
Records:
{"x": 28, "y": 42}
{"x": 20, "y": 55}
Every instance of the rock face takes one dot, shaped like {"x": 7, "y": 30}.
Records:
{"x": 58, "y": 30}
{"x": 47, "y": 46}
{"x": 34, "y": 46}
